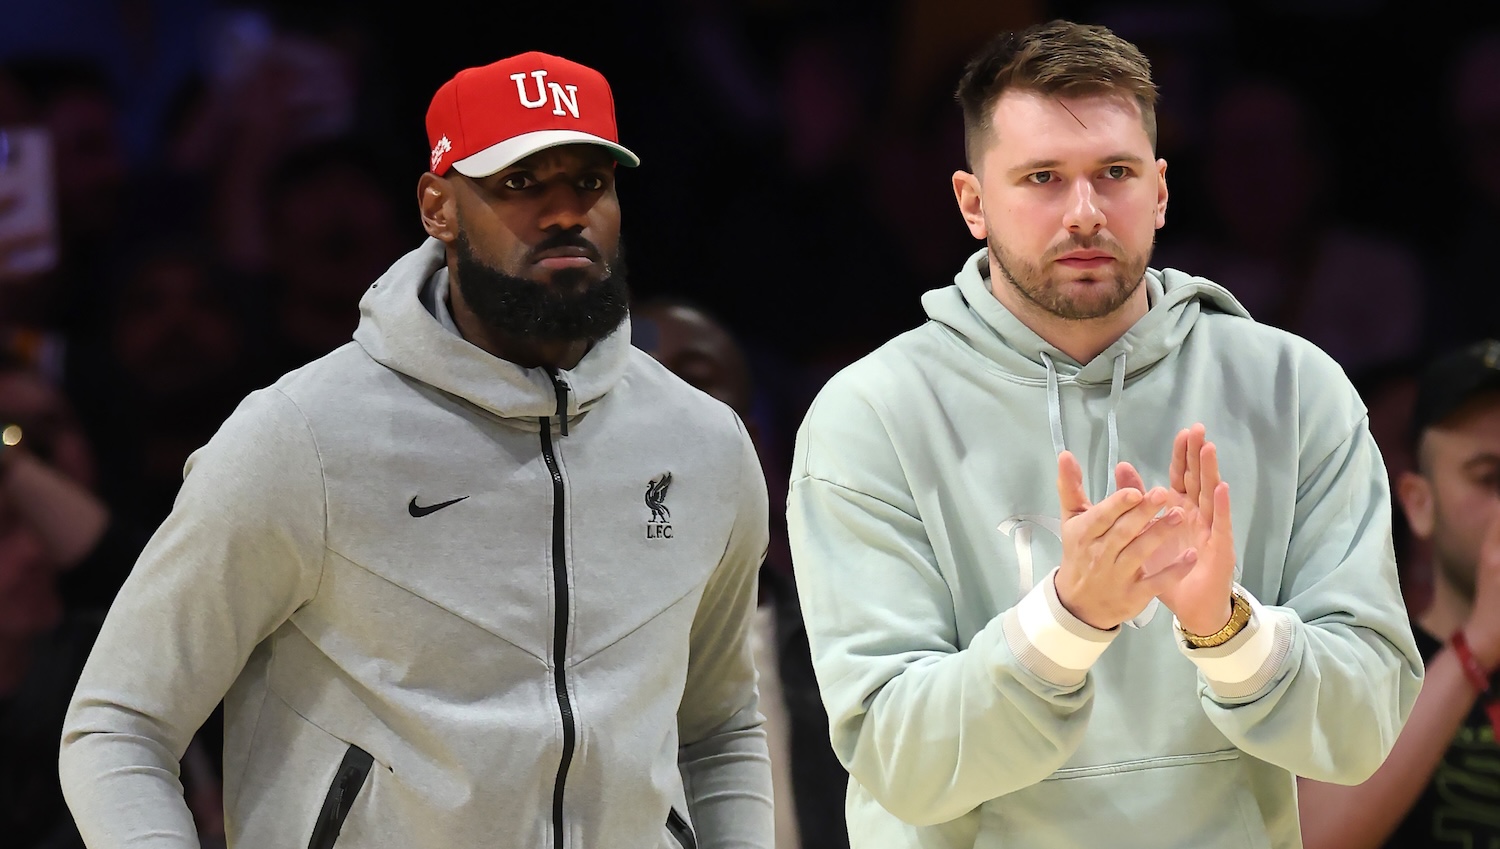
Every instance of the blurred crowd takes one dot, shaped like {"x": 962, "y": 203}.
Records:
{"x": 226, "y": 179}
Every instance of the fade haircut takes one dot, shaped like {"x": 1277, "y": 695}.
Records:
{"x": 1056, "y": 59}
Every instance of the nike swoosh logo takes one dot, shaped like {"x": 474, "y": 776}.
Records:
{"x": 418, "y": 512}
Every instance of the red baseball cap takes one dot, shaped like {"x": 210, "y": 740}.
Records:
{"x": 487, "y": 118}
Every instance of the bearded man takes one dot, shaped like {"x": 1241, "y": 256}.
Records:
{"x": 419, "y": 571}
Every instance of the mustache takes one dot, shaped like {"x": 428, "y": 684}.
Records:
{"x": 564, "y": 239}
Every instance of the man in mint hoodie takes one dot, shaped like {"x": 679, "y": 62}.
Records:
{"x": 1038, "y": 616}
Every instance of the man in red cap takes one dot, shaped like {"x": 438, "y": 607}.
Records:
{"x": 483, "y": 576}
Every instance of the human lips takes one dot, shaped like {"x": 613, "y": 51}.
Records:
{"x": 571, "y": 256}
{"x": 1086, "y": 258}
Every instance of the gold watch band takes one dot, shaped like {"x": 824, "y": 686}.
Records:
{"x": 1239, "y": 617}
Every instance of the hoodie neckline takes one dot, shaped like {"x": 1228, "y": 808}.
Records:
{"x": 402, "y": 327}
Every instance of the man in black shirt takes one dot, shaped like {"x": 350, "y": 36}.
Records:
{"x": 1438, "y": 788}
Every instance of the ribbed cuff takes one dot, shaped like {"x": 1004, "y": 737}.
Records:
{"x": 1050, "y": 642}
{"x": 1248, "y": 662}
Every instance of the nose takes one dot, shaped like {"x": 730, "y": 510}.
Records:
{"x": 1083, "y": 213}
{"x": 564, "y": 208}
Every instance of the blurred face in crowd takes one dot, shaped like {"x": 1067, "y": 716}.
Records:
{"x": 1068, "y": 194}
{"x": 332, "y": 234}
{"x": 537, "y": 244}
{"x": 696, "y": 349}
{"x": 1269, "y": 126}
{"x": 90, "y": 160}
{"x": 172, "y": 331}
{"x": 1456, "y": 494}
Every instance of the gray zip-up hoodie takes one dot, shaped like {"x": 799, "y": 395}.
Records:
{"x": 439, "y": 613}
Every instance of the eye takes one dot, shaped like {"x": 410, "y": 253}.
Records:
{"x": 592, "y": 183}
{"x": 1040, "y": 177}
{"x": 518, "y": 181}
{"x": 1117, "y": 172}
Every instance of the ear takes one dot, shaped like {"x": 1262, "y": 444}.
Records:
{"x": 1415, "y": 493}
{"x": 435, "y": 199}
{"x": 970, "y": 204}
{"x": 1161, "y": 193}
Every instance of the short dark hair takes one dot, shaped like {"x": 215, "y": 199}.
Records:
{"x": 1451, "y": 381}
{"x": 1058, "y": 58}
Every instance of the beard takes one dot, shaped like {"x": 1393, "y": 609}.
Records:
{"x": 1047, "y": 290}
{"x": 570, "y": 307}
{"x": 1453, "y": 559}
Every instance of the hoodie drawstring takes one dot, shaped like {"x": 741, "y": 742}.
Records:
{"x": 1116, "y": 388}
{"x": 1054, "y": 414}
{"x": 1054, "y": 406}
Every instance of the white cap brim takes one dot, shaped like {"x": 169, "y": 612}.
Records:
{"x": 509, "y": 152}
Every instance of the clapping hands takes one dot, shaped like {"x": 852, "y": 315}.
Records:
{"x": 1174, "y": 543}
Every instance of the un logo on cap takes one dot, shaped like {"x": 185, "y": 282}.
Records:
{"x": 562, "y": 95}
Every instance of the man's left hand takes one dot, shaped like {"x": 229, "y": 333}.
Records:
{"x": 1201, "y": 600}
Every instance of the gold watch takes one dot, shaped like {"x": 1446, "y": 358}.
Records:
{"x": 1239, "y": 617}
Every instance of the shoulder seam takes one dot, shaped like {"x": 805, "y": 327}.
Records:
{"x": 859, "y": 492}
{"x": 322, "y": 478}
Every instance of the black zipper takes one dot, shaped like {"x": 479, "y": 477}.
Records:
{"x": 681, "y": 830}
{"x": 560, "y": 621}
{"x": 347, "y": 781}
{"x": 560, "y": 386}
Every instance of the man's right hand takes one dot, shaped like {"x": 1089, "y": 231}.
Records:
{"x": 1108, "y": 547}
{"x": 1483, "y": 628}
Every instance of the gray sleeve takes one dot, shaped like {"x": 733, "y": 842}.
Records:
{"x": 725, "y": 764}
{"x": 241, "y": 550}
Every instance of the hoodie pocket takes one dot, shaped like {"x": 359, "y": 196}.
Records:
{"x": 679, "y": 828}
{"x": 347, "y": 781}
{"x": 1177, "y": 801}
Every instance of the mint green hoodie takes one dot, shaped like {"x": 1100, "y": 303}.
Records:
{"x": 969, "y": 707}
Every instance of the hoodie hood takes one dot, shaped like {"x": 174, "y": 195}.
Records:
{"x": 399, "y": 330}
{"x": 971, "y": 310}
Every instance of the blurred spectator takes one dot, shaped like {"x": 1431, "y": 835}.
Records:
{"x": 822, "y": 215}
{"x": 1437, "y": 787}
{"x": 287, "y": 90}
{"x": 333, "y": 226}
{"x": 42, "y": 652}
{"x": 1389, "y": 394}
{"x": 71, "y": 102}
{"x": 61, "y": 556}
{"x": 142, "y": 48}
{"x": 175, "y": 362}
{"x": 1281, "y": 247}
{"x": 46, "y": 483}
{"x": 75, "y": 102}
{"x": 698, "y": 348}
